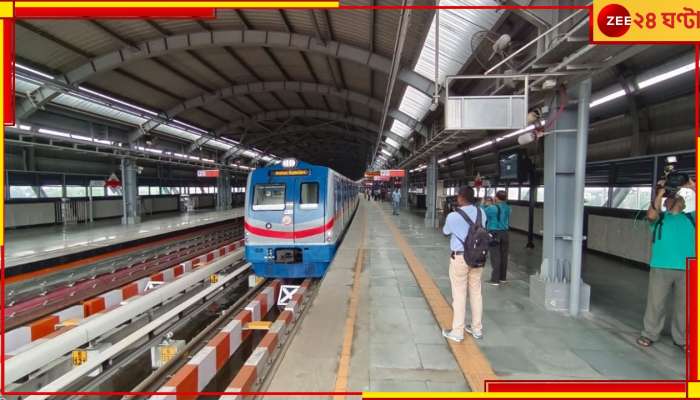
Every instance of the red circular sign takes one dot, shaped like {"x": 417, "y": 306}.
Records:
{"x": 614, "y": 20}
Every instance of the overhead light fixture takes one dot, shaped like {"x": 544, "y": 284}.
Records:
{"x": 666, "y": 75}
{"x": 610, "y": 97}
{"x": 33, "y": 71}
{"x": 481, "y": 146}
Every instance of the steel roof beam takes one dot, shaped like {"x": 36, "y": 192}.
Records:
{"x": 283, "y": 40}
{"x": 292, "y": 86}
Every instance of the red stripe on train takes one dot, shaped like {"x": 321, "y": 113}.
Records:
{"x": 289, "y": 235}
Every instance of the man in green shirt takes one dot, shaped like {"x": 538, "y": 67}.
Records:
{"x": 673, "y": 242}
{"x": 498, "y": 223}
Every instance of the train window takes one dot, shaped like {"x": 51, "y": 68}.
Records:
{"x": 309, "y": 195}
{"x": 268, "y": 197}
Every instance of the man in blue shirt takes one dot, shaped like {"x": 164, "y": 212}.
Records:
{"x": 673, "y": 242}
{"x": 396, "y": 201}
{"x": 498, "y": 223}
{"x": 464, "y": 278}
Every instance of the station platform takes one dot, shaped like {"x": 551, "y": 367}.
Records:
{"x": 380, "y": 330}
{"x": 32, "y": 246}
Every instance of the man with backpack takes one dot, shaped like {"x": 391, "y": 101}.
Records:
{"x": 498, "y": 223}
{"x": 469, "y": 243}
{"x": 673, "y": 241}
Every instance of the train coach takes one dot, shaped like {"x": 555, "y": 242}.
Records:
{"x": 295, "y": 217}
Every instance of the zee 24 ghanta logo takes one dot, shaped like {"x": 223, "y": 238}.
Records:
{"x": 615, "y": 20}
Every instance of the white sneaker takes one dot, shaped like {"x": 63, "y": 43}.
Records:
{"x": 475, "y": 334}
{"x": 449, "y": 335}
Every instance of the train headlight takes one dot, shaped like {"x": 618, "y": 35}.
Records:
{"x": 289, "y": 163}
{"x": 329, "y": 236}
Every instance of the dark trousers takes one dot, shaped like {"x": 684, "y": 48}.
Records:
{"x": 499, "y": 257}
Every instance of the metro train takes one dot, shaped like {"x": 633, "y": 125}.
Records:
{"x": 295, "y": 217}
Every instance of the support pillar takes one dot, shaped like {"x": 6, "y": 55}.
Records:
{"x": 130, "y": 199}
{"x": 563, "y": 201}
{"x": 404, "y": 189}
{"x": 531, "y": 206}
{"x": 431, "y": 175}
{"x": 223, "y": 191}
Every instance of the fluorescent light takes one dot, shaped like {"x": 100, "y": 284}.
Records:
{"x": 189, "y": 126}
{"x": 456, "y": 155}
{"x": 666, "y": 76}
{"x": 481, "y": 146}
{"x": 54, "y": 133}
{"x": 607, "y": 98}
{"x": 34, "y": 71}
{"x": 79, "y": 137}
{"x": 442, "y": 160}
{"x": 386, "y": 152}
{"x": 25, "y": 127}
{"x": 104, "y": 96}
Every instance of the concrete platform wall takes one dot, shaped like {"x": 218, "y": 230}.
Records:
{"x": 622, "y": 237}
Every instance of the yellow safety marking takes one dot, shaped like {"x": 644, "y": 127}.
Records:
{"x": 69, "y": 322}
{"x": 525, "y": 395}
{"x": 164, "y": 4}
{"x": 166, "y": 353}
{"x": 474, "y": 365}
{"x": 213, "y": 278}
{"x": 343, "y": 373}
{"x": 79, "y": 357}
{"x": 259, "y": 325}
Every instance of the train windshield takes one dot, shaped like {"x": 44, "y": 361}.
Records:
{"x": 268, "y": 197}
{"x": 309, "y": 195}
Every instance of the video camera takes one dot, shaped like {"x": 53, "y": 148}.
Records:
{"x": 673, "y": 179}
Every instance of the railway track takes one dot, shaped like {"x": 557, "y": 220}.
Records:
{"x": 226, "y": 327}
{"x": 28, "y": 300}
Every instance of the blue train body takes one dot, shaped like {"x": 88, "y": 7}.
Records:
{"x": 295, "y": 217}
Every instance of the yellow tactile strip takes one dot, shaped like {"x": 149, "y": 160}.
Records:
{"x": 474, "y": 365}
{"x": 341, "y": 380}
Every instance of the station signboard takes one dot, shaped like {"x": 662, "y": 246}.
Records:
{"x": 208, "y": 173}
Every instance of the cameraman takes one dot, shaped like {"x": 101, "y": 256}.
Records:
{"x": 673, "y": 241}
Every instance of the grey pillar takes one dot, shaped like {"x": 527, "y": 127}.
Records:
{"x": 584, "y": 97}
{"x": 404, "y": 189}
{"x": 431, "y": 174}
{"x": 551, "y": 286}
{"x": 223, "y": 191}
{"x": 130, "y": 199}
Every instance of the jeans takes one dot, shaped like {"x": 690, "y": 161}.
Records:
{"x": 465, "y": 281}
{"x": 499, "y": 257}
{"x": 661, "y": 283}
{"x": 395, "y": 205}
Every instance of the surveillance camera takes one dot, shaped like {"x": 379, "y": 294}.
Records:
{"x": 139, "y": 170}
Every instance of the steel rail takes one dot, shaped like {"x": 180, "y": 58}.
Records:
{"x": 29, "y": 310}
{"x": 32, "y": 359}
{"x": 186, "y": 352}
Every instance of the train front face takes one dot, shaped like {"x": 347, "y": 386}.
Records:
{"x": 287, "y": 220}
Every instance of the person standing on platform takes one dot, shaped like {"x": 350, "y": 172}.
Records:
{"x": 465, "y": 279}
{"x": 498, "y": 223}
{"x": 396, "y": 201}
{"x": 673, "y": 242}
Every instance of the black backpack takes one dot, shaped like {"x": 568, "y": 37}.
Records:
{"x": 659, "y": 226}
{"x": 476, "y": 245}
